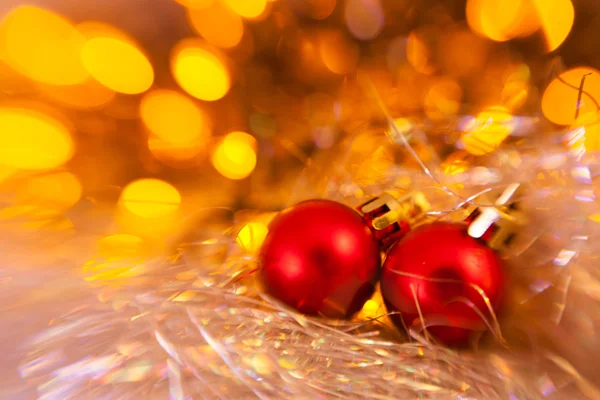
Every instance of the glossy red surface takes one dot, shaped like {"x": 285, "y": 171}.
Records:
{"x": 432, "y": 258}
{"x": 321, "y": 258}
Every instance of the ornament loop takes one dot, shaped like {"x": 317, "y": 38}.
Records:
{"x": 497, "y": 225}
{"x": 391, "y": 214}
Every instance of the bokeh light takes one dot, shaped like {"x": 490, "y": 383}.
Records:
{"x": 150, "y": 198}
{"x": 585, "y": 134}
{"x": 364, "y": 18}
{"x": 32, "y": 140}
{"x": 418, "y": 54}
{"x": 510, "y": 19}
{"x": 86, "y": 95}
{"x": 251, "y": 236}
{"x": 516, "y": 87}
{"x": 120, "y": 246}
{"x": 218, "y": 24}
{"x": 339, "y": 53}
{"x": 502, "y": 21}
{"x": 118, "y": 65}
{"x": 561, "y": 103}
{"x": 247, "y": 8}
{"x": 199, "y": 72}
{"x": 443, "y": 99}
{"x": 174, "y": 117}
{"x": 315, "y": 9}
{"x": 42, "y": 46}
{"x": 557, "y": 17}
{"x": 487, "y": 131}
{"x": 56, "y": 191}
{"x": 176, "y": 154}
{"x": 235, "y": 156}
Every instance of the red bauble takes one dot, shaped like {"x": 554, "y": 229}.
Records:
{"x": 428, "y": 259}
{"x": 321, "y": 258}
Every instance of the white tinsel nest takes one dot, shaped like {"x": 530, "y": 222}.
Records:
{"x": 195, "y": 325}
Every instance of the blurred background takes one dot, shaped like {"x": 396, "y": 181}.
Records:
{"x": 120, "y": 121}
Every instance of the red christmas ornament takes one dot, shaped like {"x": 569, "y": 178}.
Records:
{"x": 438, "y": 272}
{"x": 430, "y": 269}
{"x": 320, "y": 257}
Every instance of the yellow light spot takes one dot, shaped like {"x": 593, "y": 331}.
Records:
{"x": 252, "y": 236}
{"x": 557, "y": 18}
{"x": 338, "y": 52}
{"x": 200, "y": 73}
{"x": 118, "y": 65}
{"x": 488, "y": 131}
{"x": 150, "y": 198}
{"x": 57, "y": 191}
{"x": 174, "y": 117}
{"x": 217, "y": 24}
{"x": 32, "y": 140}
{"x": 443, "y": 99}
{"x": 235, "y": 157}
{"x": 247, "y": 8}
{"x": 42, "y": 46}
{"x": 88, "y": 94}
{"x": 560, "y": 99}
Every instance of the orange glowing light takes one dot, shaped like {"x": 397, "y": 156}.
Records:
{"x": 502, "y": 21}
{"x": 488, "y": 131}
{"x": 88, "y": 94}
{"x": 247, "y": 8}
{"x": 418, "y": 54}
{"x": 56, "y": 191}
{"x": 200, "y": 73}
{"x": 43, "y": 46}
{"x": 364, "y": 18}
{"x": 118, "y": 65}
{"x": 235, "y": 156}
{"x": 338, "y": 52}
{"x": 462, "y": 53}
{"x": 31, "y": 140}
{"x": 561, "y": 103}
{"x": 150, "y": 198}
{"x": 218, "y": 24}
{"x": 174, "y": 117}
{"x": 443, "y": 99}
{"x": 557, "y": 18}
